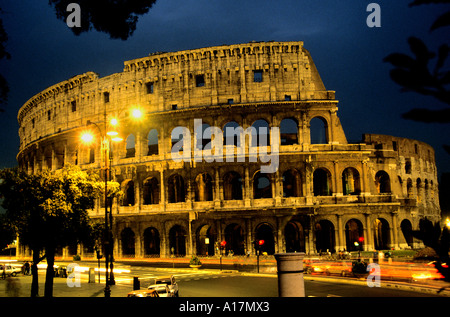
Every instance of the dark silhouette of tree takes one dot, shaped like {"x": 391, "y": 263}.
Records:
{"x": 414, "y": 73}
{"x": 439, "y": 240}
{"x": 118, "y": 18}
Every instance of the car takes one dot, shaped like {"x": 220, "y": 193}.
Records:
{"x": 143, "y": 293}
{"x": 171, "y": 283}
{"x": 10, "y": 270}
{"x": 163, "y": 290}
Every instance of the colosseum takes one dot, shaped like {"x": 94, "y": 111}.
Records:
{"x": 267, "y": 98}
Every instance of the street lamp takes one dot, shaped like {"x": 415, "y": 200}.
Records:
{"x": 88, "y": 138}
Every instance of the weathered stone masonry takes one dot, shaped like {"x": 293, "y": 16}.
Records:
{"x": 325, "y": 195}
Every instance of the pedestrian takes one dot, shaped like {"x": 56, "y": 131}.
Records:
{"x": 27, "y": 268}
{"x": 3, "y": 272}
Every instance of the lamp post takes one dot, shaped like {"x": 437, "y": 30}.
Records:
{"x": 106, "y": 148}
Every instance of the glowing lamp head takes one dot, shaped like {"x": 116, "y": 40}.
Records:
{"x": 136, "y": 113}
{"x": 87, "y": 137}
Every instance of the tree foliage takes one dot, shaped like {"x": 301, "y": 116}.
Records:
{"x": 49, "y": 209}
{"x": 118, "y": 18}
{"x": 416, "y": 73}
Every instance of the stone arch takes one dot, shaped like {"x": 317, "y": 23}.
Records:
{"x": 177, "y": 241}
{"x": 205, "y": 240}
{"x": 264, "y": 231}
{"x": 406, "y": 228}
{"x": 234, "y": 237}
{"x": 325, "y": 236}
{"x": 128, "y": 190}
{"x": 262, "y": 186}
{"x": 294, "y": 236}
{"x": 231, "y": 133}
{"x": 151, "y": 242}
{"x": 176, "y": 189}
{"x": 292, "y": 183}
{"x": 289, "y": 131}
{"x": 381, "y": 234}
{"x": 151, "y": 191}
{"x": 153, "y": 142}
{"x": 130, "y": 146}
{"x": 353, "y": 232}
{"x": 260, "y": 133}
{"x": 127, "y": 238}
{"x": 382, "y": 182}
{"x": 203, "y": 187}
{"x": 351, "y": 182}
{"x": 232, "y": 186}
{"x": 318, "y": 128}
{"x": 322, "y": 182}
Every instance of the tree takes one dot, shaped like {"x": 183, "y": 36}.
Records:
{"x": 49, "y": 210}
{"x": 116, "y": 18}
{"x": 439, "y": 240}
{"x": 415, "y": 74}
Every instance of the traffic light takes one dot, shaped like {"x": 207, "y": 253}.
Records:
{"x": 223, "y": 244}
{"x": 261, "y": 243}
{"x": 361, "y": 239}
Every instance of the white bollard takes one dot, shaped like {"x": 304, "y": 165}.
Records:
{"x": 290, "y": 274}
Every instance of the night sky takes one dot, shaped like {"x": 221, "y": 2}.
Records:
{"x": 348, "y": 54}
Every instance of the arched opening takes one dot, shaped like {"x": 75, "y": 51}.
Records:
{"x": 203, "y": 187}
{"x": 231, "y": 133}
{"x": 177, "y": 241}
{"x": 294, "y": 236}
{"x": 324, "y": 232}
{"x": 292, "y": 185}
{"x": 128, "y": 189}
{"x": 151, "y": 191}
{"x": 409, "y": 187}
{"x": 206, "y": 238}
{"x": 128, "y": 242}
{"x": 318, "y": 131}
{"x": 353, "y": 233}
{"x": 151, "y": 242}
{"x": 419, "y": 190}
{"x": 261, "y": 186}
{"x": 382, "y": 182}
{"x": 176, "y": 190}
{"x": 234, "y": 237}
{"x": 232, "y": 186}
{"x": 152, "y": 137}
{"x": 265, "y": 232}
{"x": 288, "y": 131}
{"x": 321, "y": 182}
{"x": 406, "y": 228}
{"x": 260, "y": 133}
{"x": 351, "y": 184}
{"x": 203, "y": 137}
{"x": 131, "y": 146}
{"x": 381, "y": 234}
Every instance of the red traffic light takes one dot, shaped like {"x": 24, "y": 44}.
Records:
{"x": 223, "y": 243}
{"x": 361, "y": 239}
{"x": 261, "y": 242}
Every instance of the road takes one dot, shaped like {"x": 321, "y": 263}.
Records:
{"x": 209, "y": 283}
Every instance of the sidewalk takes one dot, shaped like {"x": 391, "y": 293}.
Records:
{"x": 61, "y": 288}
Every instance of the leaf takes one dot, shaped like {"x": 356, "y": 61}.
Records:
{"x": 419, "y": 49}
{"x": 442, "y": 21}
{"x": 428, "y": 116}
{"x": 400, "y": 60}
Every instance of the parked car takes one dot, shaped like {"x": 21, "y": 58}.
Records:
{"x": 10, "y": 270}
{"x": 143, "y": 293}
{"x": 171, "y": 283}
{"x": 163, "y": 290}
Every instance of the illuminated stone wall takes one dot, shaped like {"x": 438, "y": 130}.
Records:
{"x": 325, "y": 194}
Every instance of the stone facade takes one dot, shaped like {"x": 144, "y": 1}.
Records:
{"x": 325, "y": 194}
